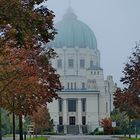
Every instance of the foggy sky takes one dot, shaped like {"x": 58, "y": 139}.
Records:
{"x": 115, "y": 23}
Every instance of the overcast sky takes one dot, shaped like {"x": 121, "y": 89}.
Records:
{"x": 116, "y": 24}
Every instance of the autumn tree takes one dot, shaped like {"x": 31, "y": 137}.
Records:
{"x": 41, "y": 120}
{"x": 25, "y": 26}
{"x": 106, "y": 123}
{"x": 34, "y": 83}
{"x": 27, "y": 78}
{"x": 127, "y": 100}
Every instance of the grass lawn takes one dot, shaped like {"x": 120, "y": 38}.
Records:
{"x": 134, "y": 139}
{"x": 38, "y": 138}
{"x": 8, "y": 135}
{"x": 130, "y": 138}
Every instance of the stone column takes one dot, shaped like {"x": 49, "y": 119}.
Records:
{"x": 80, "y": 115}
{"x": 65, "y": 122}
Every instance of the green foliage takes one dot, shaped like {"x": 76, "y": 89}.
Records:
{"x": 99, "y": 133}
{"x": 25, "y": 24}
{"x": 129, "y": 138}
{"x": 6, "y": 124}
{"x": 121, "y": 121}
{"x": 51, "y": 133}
{"x": 8, "y": 135}
{"x": 38, "y": 138}
{"x": 27, "y": 122}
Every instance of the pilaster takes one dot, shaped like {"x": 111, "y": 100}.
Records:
{"x": 65, "y": 119}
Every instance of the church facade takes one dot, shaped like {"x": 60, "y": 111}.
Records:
{"x": 87, "y": 97}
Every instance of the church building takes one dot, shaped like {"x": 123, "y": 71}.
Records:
{"x": 87, "y": 97}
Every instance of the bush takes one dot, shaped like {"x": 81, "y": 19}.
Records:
{"x": 99, "y": 133}
{"x": 91, "y": 133}
{"x": 96, "y": 132}
{"x": 50, "y": 133}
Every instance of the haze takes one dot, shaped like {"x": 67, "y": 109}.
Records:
{"x": 116, "y": 24}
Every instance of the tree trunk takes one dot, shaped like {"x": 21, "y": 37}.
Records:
{"x": 129, "y": 127}
{"x": 0, "y": 125}
{"x": 14, "y": 125}
{"x": 20, "y": 128}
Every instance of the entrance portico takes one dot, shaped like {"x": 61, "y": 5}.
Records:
{"x": 77, "y": 112}
{"x": 71, "y": 112}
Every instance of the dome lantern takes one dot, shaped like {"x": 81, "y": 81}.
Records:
{"x": 70, "y": 15}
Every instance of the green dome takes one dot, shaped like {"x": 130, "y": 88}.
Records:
{"x": 73, "y": 33}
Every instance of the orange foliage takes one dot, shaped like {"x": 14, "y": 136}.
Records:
{"x": 28, "y": 81}
{"x": 128, "y": 100}
{"x": 41, "y": 119}
{"x": 106, "y": 123}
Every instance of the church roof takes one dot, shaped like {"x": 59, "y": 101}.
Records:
{"x": 73, "y": 33}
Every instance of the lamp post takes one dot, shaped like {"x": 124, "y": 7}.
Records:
{"x": 136, "y": 131}
{"x": 136, "y": 124}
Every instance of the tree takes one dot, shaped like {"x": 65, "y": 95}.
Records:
{"x": 41, "y": 120}
{"x": 34, "y": 84}
{"x": 25, "y": 26}
{"x": 121, "y": 121}
{"x": 27, "y": 78}
{"x": 124, "y": 101}
{"x": 6, "y": 125}
{"x": 127, "y": 100}
{"x": 132, "y": 79}
{"x": 106, "y": 123}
